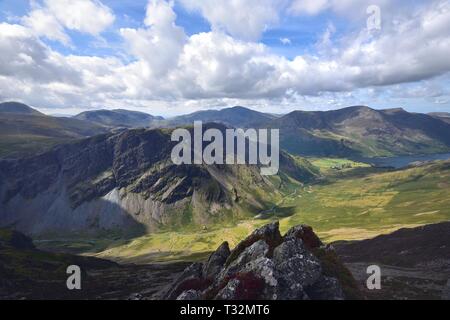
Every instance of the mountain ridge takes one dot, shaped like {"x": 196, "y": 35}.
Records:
{"x": 12, "y": 107}
{"x": 25, "y": 131}
{"x": 119, "y": 118}
{"x": 237, "y": 117}
{"x": 361, "y": 130}
{"x": 126, "y": 181}
{"x": 349, "y": 132}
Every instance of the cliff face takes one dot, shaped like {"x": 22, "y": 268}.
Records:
{"x": 123, "y": 182}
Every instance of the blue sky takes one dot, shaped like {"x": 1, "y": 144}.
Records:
{"x": 172, "y": 57}
{"x": 303, "y": 32}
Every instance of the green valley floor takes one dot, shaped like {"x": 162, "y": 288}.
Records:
{"x": 352, "y": 201}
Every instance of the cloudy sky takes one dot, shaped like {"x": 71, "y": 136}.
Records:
{"x": 173, "y": 57}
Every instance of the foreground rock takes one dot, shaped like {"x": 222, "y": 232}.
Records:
{"x": 267, "y": 266}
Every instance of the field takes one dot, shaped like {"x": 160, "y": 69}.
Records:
{"x": 356, "y": 206}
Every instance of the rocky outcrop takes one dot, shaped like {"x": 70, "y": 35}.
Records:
{"x": 216, "y": 261}
{"x": 268, "y": 266}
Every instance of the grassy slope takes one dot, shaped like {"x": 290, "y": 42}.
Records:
{"x": 26, "y": 144}
{"x": 358, "y": 208}
{"x": 352, "y": 207}
{"x": 27, "y": 134}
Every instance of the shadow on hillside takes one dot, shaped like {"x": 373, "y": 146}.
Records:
{"x": 106, "y": 227}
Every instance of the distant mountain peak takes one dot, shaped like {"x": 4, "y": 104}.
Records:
{"x": 394, "y": 110}
{"x": 359, "y": 107}
{"x": 239, "y": 108}
{"x": 118, "y": 118}
{"x": 18, "y": 108}
{"x": 236, "y": 116}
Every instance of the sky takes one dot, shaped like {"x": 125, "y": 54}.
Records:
{"x": 174, "y": 57}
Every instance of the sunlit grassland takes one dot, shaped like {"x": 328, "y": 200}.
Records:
{"x": 379, "y": 203}
{"x": 347, "y": 209}
{"x": 332, "y": 165}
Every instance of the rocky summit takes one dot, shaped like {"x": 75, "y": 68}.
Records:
{"x": 268, "y": 266}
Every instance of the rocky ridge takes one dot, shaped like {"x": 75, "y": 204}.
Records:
{"x": 268, "y": 266}
{"x": 126, "y": 182}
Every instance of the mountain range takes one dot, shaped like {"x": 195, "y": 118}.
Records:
{"x": 362, "y": 131}
{"x": 350, "y": 132}
{"x": 25, "y": 131}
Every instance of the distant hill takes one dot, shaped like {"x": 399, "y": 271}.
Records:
{"x": 444, "y": 116}
{"x": 362, "y": 131}
{"x": 440, "y": 114}
{"x": 237, "y": 117}
{"x": 18, "y": 108}
{"x": 25, "y": 131}
{"x": 119, "y": 118}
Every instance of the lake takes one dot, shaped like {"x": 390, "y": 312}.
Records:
{"x": 402, "y": 161}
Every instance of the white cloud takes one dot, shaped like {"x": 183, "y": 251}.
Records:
{"x": 285, "y": 41}
{"x": 354, "y": 8}
{"x": 244, "y": 19}
{"x": 214, "y": 64}
{"x": 25, "y": 57}
{"x": 89, "y": 16}
{"x": 160, "y": 44}
{"x": 170, "y": 68}
{"x": 43, "y": 23}
{"x": 51, "y": 18}
{"x": 311, "y": 7}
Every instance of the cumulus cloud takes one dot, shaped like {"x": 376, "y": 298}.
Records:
{"x": 214, "y": 65}
{"x": 160, "y": 43}
{"x": 170, "y": 68}
{"x": 89, "y": 16}
{"x": 52, "y": 17}
{"x": 25, "y": 57}
{"x": 244, "y": 19}
{"x": 43, "y": 23}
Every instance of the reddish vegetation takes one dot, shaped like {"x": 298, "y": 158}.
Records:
{"x": 250, "y": 287}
